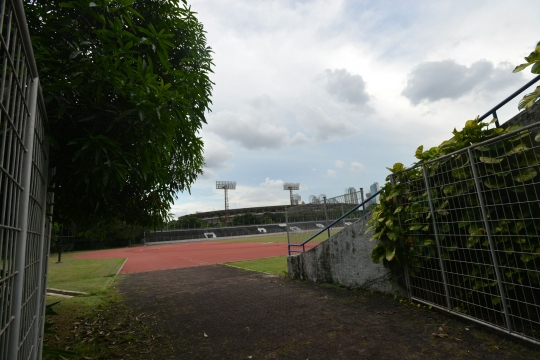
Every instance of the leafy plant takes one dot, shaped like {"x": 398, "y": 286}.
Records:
{"x": 534, "y": 60}
{"x": 507, "y": 171}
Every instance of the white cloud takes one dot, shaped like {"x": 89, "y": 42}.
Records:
{"x": 270, "y": 183}
{"x": 356, "y": 166}
{"x": 346, "y": 87}
{"x": 324, "y": 127}
{"x": 248, "y": 130}
{"x": 330, "y": 174}
{"x": 216, "y": 155}
{"x": 339, "y": 164}
{"x": 436, "y": 80}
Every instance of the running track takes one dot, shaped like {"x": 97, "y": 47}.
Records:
{"x": 173, "y": 256}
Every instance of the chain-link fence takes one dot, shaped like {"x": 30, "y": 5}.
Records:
{"x": 24, "y": 226}
{"x": 473, "y": 232}
{"x": 216, "y": 233}
{"x": 305, "y": 222}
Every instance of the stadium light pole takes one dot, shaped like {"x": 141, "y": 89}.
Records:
{"x": 291, "y": 187}
{"x": 226, "y": 186}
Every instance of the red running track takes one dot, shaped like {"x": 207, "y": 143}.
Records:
{"x": 172, "y": 256}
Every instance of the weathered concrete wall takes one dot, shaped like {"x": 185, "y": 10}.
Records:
{"x": 525, "y": 117}
{"x": 345, "y": 259}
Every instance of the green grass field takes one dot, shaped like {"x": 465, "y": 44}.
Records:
{"x": 86, "y": 275}
{"x": 273, "y": 265}
{"x": 295, "y": 238}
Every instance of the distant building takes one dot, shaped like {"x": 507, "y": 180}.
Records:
{"x": 374, "y": 188}
{"x": 313, "y": 199}
{"x": 351, "y": 197}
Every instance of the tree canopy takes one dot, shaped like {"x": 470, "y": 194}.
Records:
{"x": 126, "y": 86}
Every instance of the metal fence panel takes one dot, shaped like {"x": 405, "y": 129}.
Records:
{"x": 304, "y": 221}
{"x": 23, "y": 191}
{"x": 473, "y": 224}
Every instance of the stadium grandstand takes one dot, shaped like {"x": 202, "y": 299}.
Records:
{"x": 213, "y": 217}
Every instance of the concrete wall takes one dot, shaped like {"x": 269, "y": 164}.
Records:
{"x": 525, "y": 117}
{"x": 345, "y": 259}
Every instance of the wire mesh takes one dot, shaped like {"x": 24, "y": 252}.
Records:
{"x": 14, "y": 93}
{"x": 305, "y": 221}
{"x": 472, "y": 221}
{"x": 23, "y": 191}
{"x": 216, "y": 233}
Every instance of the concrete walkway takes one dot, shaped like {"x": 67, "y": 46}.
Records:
{"x": 220, "y": 312}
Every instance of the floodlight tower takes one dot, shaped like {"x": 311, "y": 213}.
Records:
{"x": 291, "y": 187}
{"x": 226, "y": 185}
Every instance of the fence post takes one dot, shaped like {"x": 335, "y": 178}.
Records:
{"x": 22, "y": 219}
{"x": 490, "y": 240}
{"x": 362, "y": 197}
{"x": 46, "y": 277}
{"x": 42, "y": 266}
{"x": 441, "y": 263}
{"x": 326, "y": 215}
{"x": 287, "y": 228}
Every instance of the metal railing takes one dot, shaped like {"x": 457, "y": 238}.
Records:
{"x": 472, "y": 224}
{"x": 319, "y": 221}
{"x": 24, "y": 223}
{"x": 505, "y": 101}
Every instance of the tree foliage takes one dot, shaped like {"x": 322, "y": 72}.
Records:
{"x": 126, "y": 87}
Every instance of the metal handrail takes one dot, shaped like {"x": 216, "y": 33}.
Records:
{"x": 502, "y": 103}
{"x": 333, "y": 223}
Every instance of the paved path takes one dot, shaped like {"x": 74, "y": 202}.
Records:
{"x": 220, "y": 312}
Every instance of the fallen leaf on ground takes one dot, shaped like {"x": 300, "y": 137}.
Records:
{"x": 205, "y": 335}
{"x": 440, "y": 335}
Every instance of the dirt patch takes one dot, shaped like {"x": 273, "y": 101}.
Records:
{"x": 219, "y": 312}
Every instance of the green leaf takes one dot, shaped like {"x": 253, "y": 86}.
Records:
{"x": 378, "y": 254}
{"x": 525, "y": 175}
{"x": 429, "y": 242}
{"x": 521, "y": 67}
{"x": 527, "y": 257}
{"x": 488, "y": 160}
{"x": 492, "y": 183}
{"x": 419, "y": 151}
{"x": 536, "y": 68}
{"x": 415, "y": 227}
{"x": 390, "y": 253}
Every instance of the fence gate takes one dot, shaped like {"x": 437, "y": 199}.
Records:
{"x": 24, "y": 221}
{"x": 472, "y": 222}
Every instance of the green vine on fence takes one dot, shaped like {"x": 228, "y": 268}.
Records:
{"x": 534, "y": 60}
{"x": 507, "y": 174}
{"x": 385, "y": 217}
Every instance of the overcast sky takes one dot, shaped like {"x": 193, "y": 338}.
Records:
{"x": 330, "y": 93}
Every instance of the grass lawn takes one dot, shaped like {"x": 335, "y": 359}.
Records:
{"x": 86, "y": 275}
{"x": 274, "y": 265}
